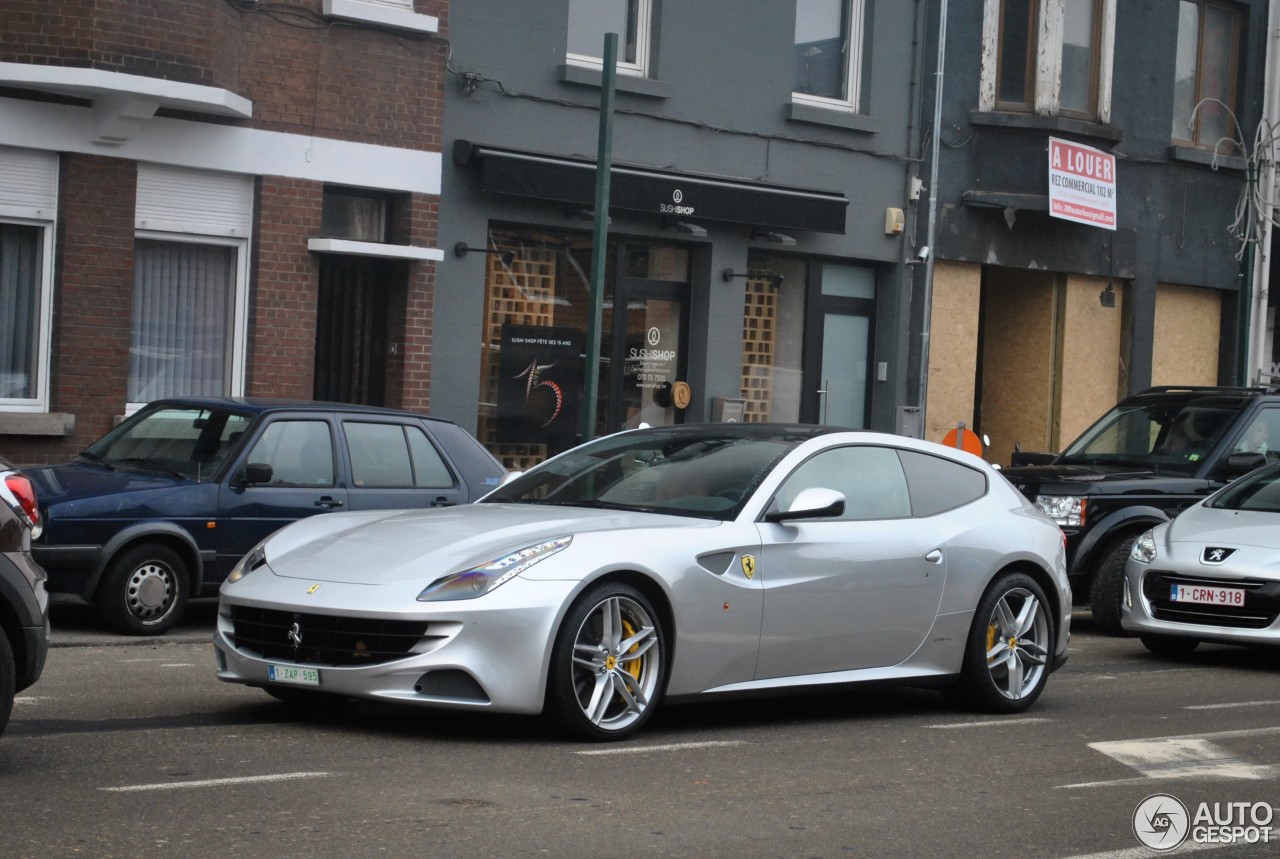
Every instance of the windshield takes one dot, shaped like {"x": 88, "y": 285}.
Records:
{"x": 707, "y": 474}
{"x": 182, "y": 441}
{"x": 1170, "y": 437}
{"x": 1259, "y": 491}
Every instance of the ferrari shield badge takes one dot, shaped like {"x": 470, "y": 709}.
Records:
{"x": 749, "y": 566}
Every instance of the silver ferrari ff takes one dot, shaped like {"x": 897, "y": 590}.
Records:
{"x": 1212, "y": 574}
{"x": 664, "y": 564}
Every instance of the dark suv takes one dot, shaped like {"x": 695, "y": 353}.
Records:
{"x": 1148, "y": 458}
{"x": 24, "y": 605}
{"x": 160, "y": 509}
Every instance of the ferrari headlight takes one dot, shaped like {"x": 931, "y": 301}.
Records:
{"x": 478, "y": 581}
{"x": 1066, "y": 510}
{"x": 1144, "y": 548}
{"x": 256, "y": 557}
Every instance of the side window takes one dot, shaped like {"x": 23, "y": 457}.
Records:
{"x": 1261, "y": 436}
{"x": 300, "y": 453}
{"x": 938, "y": 484}
{"x": 379, "y": 455}
{"x": 394, "y": 456}
{"x": 871, "y": 479}
{"x": 429, "y": 469}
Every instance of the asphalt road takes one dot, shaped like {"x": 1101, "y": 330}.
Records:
{"x": 130, "y": 748}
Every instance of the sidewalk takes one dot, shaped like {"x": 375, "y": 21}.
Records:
{"x": 78, "y": 626}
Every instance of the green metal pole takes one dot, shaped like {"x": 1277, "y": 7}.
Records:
{"x": 600, "y": 236}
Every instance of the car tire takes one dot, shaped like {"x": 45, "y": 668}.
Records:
{"x": 1010, "y": 648}
{"x": 144, "y": 591}
{"x": 8, "y": 680}
{"x": 1106, "y": 591}
{"x": 1170, "y": 645}
{"x": 608, "y": 665}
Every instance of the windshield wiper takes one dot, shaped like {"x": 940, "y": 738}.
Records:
{"x": 596, "y": 505}
{"x": 148, "y": 465}
{"x": 96, "y": 460}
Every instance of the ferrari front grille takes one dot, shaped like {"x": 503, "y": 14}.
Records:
{"x": 320, "y": 639}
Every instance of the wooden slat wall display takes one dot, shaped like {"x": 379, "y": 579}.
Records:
{"x": 759, "y": 334}
{"x": 522, "y": 293}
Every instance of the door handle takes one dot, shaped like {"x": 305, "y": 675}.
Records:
{"x": 442, "y": 501}
{"x": 328, "y": 502}
{"x": 934, "y": 557}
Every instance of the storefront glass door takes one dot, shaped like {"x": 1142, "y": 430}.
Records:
{"x": 644, "y": 340}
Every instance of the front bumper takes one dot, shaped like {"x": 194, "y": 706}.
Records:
{"x": 1144, "y": 612}
{"x": 491, "y": 653}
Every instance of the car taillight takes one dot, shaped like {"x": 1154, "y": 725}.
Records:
{"x": 25, "y": 495}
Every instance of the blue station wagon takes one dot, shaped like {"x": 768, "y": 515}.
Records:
{"x": 160, "y": 509}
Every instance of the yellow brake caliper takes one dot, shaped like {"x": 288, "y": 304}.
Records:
{"x": 991, "y": 640}
{"x": 636, "y": 664}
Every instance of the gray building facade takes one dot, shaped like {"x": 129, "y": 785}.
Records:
{"x": 760, "y": 215}
{"x": 1038, "y": 324}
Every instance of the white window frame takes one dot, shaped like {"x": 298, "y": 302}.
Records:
{"x": 1047, "y": 99}
{"x": 640, "y": 68}
{"x": 44, "y": 336}
{"x": 202, "y": 207}
{"x": 29, "y": 198}
{"x": 239, "y": 322}
{"x": 856, "y": 39}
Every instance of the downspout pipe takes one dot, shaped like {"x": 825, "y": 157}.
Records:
{"x": 931, "y": 232}
{"x": 1259, "y": 360}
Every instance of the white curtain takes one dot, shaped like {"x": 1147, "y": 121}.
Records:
{"x": 182, "y": 316}
{"x": 19, "y": 309}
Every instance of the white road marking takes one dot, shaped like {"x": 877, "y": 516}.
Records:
{"x": 1144, "y": 853}
{"x": 1229, "y": 706}
{"x": 669, "y": 747}
{"x": 983, "y": 723}
{"x": 213, "y": 782}
{"x": 179, "y": 665}
{"x": 1185, "y": 756}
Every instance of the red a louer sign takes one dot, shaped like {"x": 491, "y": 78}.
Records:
{"x": 1082, "y": 184}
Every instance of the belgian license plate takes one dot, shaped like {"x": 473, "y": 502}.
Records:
{"x": 293, "y": 674}
{"x": 1206, "y": 595}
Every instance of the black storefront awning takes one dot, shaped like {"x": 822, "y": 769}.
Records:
{"x": 677, "y": 196}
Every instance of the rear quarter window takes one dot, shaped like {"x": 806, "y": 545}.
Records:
{"x": 938, "y": 485}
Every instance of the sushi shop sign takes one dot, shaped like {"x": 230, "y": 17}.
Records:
{"x": 1082, "y": 184}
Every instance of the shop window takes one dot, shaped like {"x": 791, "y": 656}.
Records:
{"x": 807, "y": 339}
{"x": 589, "y": 20}
{"x": 531, "y": 364}
{"x": 181, "y": 329}
{"x": 1049, "y": 56}
{"x": 828, "y": 53}
{"x": 1204, "y": 86}
{"x": 773, "y": 339}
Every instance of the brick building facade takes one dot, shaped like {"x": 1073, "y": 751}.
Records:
{"x": 284, "y": 160}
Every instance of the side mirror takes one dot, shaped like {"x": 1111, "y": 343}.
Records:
{"x": 1240, "y": 464}
{"x": 812, "y": 503}
{"x": 257, "y": 473}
